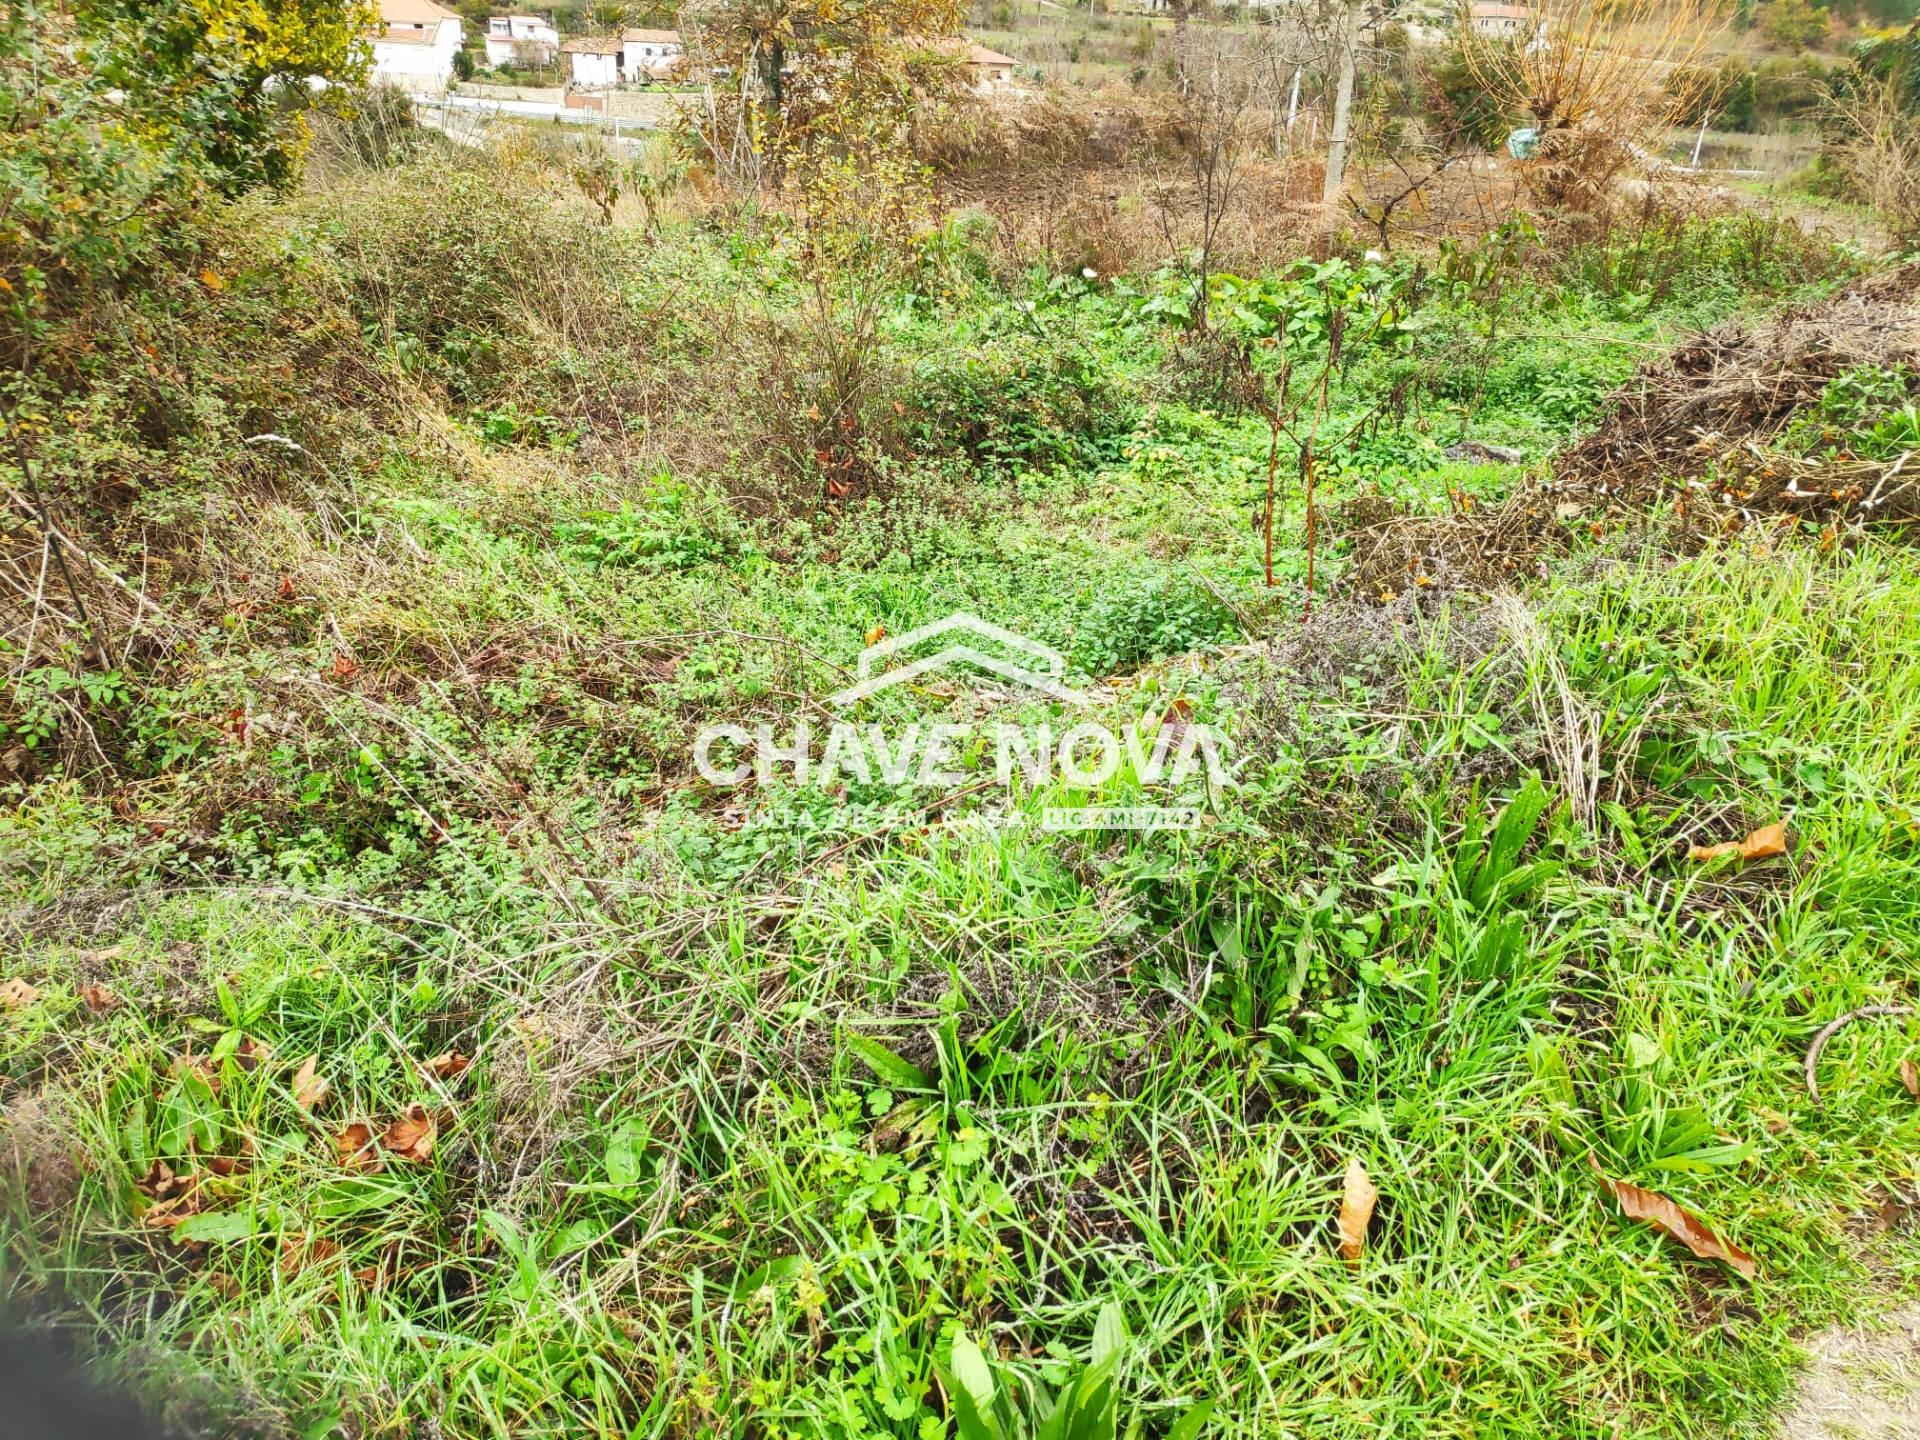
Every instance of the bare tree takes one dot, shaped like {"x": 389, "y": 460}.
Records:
{"x": 1877, "y": 146}
{"x": 1220, "y": 123}
{"x": 1341, "y": 136}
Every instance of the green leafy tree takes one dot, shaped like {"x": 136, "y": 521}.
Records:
{"x": 117, "y": 116}
{"x": 1796, "y": 24}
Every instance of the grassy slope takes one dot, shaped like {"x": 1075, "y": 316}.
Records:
{"x": 674, "y": 1192}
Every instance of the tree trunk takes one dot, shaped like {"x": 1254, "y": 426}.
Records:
{"x": 1342, "y": 113}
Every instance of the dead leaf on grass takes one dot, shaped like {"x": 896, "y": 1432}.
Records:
{"x": 1762, "y": 844}
{"x": 296, "y": 1253}
{"x": 1667, "y": 1216}
{"x": 309, "y": 1089}
{"x": 250, "y": 1054}
{"x": 99, "y": 999}
{"x": 355, "y": 1147}
{"x": 411, "y": 1136}
{"x": 17, "y": 994}
{"x": 449, "y": 1066}
{"x": 1356, "y": 1210}
{"x": 1910, "y": 1077}
{"x": 161, "y": 1183}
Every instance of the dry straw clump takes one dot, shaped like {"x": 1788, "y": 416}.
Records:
{"x": 1594, "y": 77}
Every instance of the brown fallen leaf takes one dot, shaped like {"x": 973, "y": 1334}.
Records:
{"x": 449, "y": 1066}
{"x": 1762, "y": 844}
{"x": 250, "y": 1054}
{"x": 104, "y": 954}
{"x": 99, "y": 999}
{"x": 876, "y": 635}
{"x": 1910, "y": 1077}
{"x": 165, "y": 1214}
{"x": 343, "y": 668}
{"x": 411, "y": 1136}
{"x": 223, "y": 1284}
{"x": 1356, "y": 1210}
{"x": 297, "y": 1253}
{"x": 309, "y": 1089}
{"x": 160, "y": 1182}
{"x": 1664, "y": 1214}
{"x": 17, "y": 994}
{"x": 355, "y": 1147}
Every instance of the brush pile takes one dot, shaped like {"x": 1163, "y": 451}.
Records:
{"x": 1732, "y": 419}
{"x": 1809, "y": 417}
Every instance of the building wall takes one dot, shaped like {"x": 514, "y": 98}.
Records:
{"x": 406, "y": 64}
{"x": 638, "y": 63}
{"x": 503, "y": 48}
{"x": 588, "y": 69}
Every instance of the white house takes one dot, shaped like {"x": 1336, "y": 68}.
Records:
{"x": 988, "y": 69}
{"x": 521, "y": 40}
{"x": 650, "y": 54}
{"x": 414, "y": 43}
{"x": 593, "y": 62}
{"x": 1501, "y": 22}
{"x": 629, "y": 58}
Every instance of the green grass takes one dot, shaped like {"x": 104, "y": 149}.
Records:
{"x": 769, "y": 1128}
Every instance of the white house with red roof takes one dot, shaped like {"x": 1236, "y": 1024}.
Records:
{"x": 521, "y": 40}
{"x": 630, "y": 58}
{"x": 414, "y": 43}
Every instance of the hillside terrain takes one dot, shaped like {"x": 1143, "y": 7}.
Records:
{"x": 407, "y": 1034}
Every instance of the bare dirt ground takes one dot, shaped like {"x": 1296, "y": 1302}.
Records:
{"x": 1860, "y": 1384}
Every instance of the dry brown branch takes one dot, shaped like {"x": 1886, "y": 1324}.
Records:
{"x": 1878, "y": 146}
{"x": 1594, "y": 77}
{"x": 1834, "y": 1027}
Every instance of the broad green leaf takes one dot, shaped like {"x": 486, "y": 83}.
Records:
{"x": 901, "y": 1074}
{"x": 218, "y": 1226}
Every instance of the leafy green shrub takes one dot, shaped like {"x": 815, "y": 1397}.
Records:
{"x": 1674, "y": 254}
{"x": 1023, "y": 402}
{"x": 477, "y": 282}
{"x": 1147, "y": 615}
{"x": 656, "y": 535}
{"x": 117, "y": 119}
{"x": 1562, "y": 393}
{"x": 1869, "y": 412}
{"x": 1459, "y": 106}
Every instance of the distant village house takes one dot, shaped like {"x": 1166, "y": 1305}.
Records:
{"x": 523, "y": 40}
{"x": 1501, "y": 22}
{"x": 989, "y": 69}
{"x": 414, "y": 43}
{"x": 984, "y": 69}
{"x": 630, "y": 58}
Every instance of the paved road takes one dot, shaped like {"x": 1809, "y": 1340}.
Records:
{"x": 438, "y": 110}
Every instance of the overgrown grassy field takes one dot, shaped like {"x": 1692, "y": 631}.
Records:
{"x": 403, "y": 1040}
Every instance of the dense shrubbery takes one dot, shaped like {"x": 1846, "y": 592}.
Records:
{"x": 119, "y": 117}
{"x": 1018, "y": 401}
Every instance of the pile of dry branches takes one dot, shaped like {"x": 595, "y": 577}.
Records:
{"x": 1703, "y": 416}
{"x": 1700, "y": 426}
